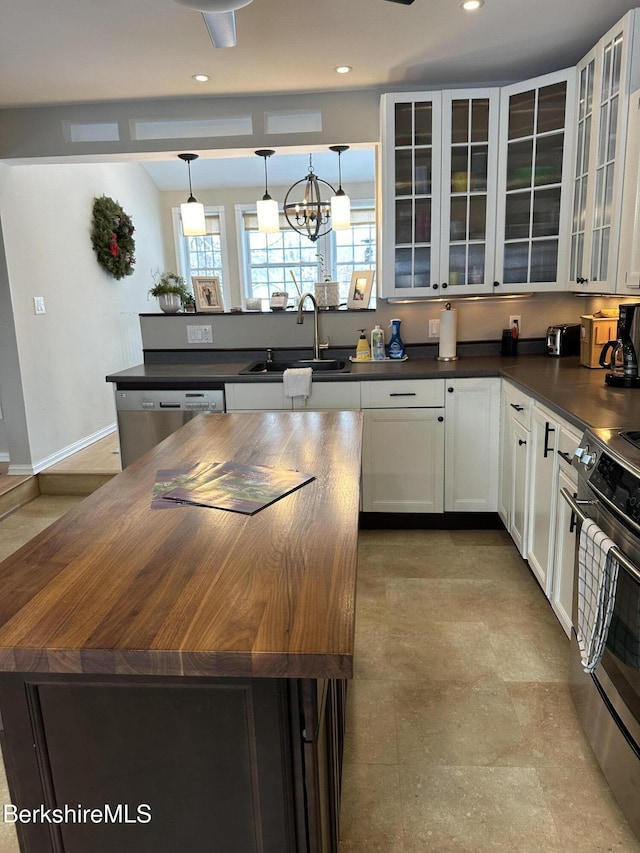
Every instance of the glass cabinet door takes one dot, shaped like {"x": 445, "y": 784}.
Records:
{"x": 416, "y": 167}
{"x": 469, "y": 173}
{"x": 534, "y": 161}
{"x": 601, "y": 121}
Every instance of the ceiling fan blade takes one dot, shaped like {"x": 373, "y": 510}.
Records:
{"x": 222, "y": 28}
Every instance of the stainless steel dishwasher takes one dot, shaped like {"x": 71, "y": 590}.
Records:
{"x": 146, "y": 417}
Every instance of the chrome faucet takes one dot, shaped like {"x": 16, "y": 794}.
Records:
{"x": 300, "y": 320}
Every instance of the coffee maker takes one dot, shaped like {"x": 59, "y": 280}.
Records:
{"x": 621, "y": 355}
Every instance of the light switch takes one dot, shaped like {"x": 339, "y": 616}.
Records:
{"x": 38, "y": 304}
{"x": 434, "y": 328}
{"x": 199, "y": 334}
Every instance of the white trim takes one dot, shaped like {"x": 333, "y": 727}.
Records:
{"x": 67, "y": 451}
{"x": 4, "y": 457}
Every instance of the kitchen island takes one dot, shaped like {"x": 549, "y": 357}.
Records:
{"x": 181, "y": 672}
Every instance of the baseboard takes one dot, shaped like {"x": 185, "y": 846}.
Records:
{"x": 4, "y": 457}
{"x": 67, "y": 451}
{"x": 430, "y": 521}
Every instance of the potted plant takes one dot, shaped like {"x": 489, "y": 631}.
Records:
{"x": 171, "y": 291}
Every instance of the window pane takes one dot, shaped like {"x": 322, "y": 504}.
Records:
{"x": 546, "y": 212}
{"x": 544, "y": 260}
{"x": 517, "y": 216}
{"x": 521, "y": 114}
{"x": 551, "y": 104}
{"x": 516, "y": 263}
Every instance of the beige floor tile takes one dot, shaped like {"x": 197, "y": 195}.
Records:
{"x": 551, "y": 725}
{"x": 440, "y": 651}
{"x": 459, "y": 724}
{"x": 585, "y": 811}
{"x": 475, "y": 809}
{"x": 371, "y": 814}
{"x": 371, "y": 723}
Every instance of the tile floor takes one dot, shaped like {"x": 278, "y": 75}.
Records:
{"x": 461, "y": 733}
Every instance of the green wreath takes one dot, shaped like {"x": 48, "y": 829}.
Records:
{"x": 112, "y": 237}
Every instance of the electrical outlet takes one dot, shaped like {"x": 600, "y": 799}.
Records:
{"x": 38, "y": 305}
{"x": 434, "y": 328}
{"x": 516, "y": 320}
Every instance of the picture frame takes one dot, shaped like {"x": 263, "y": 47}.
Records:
{"x": 208, "y": 294}
{"x": 360, "y": 288}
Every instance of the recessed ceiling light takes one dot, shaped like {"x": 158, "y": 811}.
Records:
{"x": 201, "y": 78}
{"x": 343, "y": 69}
{"x": 471, "y": 5}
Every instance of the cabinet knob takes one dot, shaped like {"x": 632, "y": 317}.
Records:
{"x": 581, "y": 280}
{"x": 444, "y": 284}
{"x": 521, "y": 442}
{"x": 496, "y": 284}
{"x": 440, "y": 418}
{"x": 450, "y": 390}
{"x": 435, "y": 286}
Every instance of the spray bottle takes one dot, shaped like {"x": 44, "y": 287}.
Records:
{"x": 396, "y": 347}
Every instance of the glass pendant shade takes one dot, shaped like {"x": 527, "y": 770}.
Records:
{"x": 267, "y": 207}
{"x": 193, "y": 221}
{"x": 268, "y": 216}
{"x": 340, "y": 212}
{"x": 192, "y": 212}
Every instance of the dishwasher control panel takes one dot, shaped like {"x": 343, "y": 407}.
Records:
{"x": 159, "y": 400}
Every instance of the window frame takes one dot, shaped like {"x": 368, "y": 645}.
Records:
{"x": 181, "y": 248}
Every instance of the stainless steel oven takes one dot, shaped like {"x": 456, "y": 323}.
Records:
{"x": 608, "y": 700}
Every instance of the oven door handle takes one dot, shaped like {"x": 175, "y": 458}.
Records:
{"x": 624, "y": 561}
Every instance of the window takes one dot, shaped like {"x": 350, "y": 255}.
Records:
{"x": 200, "y": 256}
{"x": 271, "y": 259}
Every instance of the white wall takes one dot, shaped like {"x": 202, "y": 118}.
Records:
{"x": 91, "y": 324}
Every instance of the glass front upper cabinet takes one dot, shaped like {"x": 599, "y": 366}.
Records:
{"x": 604, "y": 82}
{"x": 533, "y": 207}
{"x": 439, "y": 170}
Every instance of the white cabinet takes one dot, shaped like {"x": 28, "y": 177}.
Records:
{"x": 628, "y": 278}
{"x": 542, "y": 493}
{"x": 553, "y": 442}
{"x": 534, "y": 188}
{"x": 606, "y": 76}
{"x": 439, "y": 178}
{"x": 515, "y": 417}
{"x": 331, "y": 395}
{"x": 564, "y": 535}
{"x": 255, "y": 397}
{"x": 472, "y": 427}
{"x": 403, "y": 446}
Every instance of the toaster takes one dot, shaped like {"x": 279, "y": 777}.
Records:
{"x": 563, "y": 339}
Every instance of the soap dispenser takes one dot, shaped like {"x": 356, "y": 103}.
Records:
{"x": 363, "y": 353}
{"x": 377, "y": 344}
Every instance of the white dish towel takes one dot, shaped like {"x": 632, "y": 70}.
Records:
{"x": 297, "y": 382}
{"x": 597, "y": 579}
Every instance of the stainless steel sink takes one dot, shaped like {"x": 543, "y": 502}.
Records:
{"x": 324, "y": 364}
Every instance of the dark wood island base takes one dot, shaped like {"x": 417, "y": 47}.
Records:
{"x": 176, "y": 680}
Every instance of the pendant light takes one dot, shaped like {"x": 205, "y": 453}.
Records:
{"x": 340, "y": 202}
{"x": 192, "y": 212}
{"x": 268, "y": 214}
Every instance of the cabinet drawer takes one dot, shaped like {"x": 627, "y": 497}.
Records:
{"x": 402, "y": 394}
{"x": 344, "y": 396}
{"x": 267, "y": 397}
{"x": 518, "y": 404}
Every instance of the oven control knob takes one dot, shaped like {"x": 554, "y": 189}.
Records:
{"x": 579, "y": 452}
{"x": 589, "y": 459}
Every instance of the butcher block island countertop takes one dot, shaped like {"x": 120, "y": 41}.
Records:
{"x": 187, "y": 665}
{"x": 118, "y": 587}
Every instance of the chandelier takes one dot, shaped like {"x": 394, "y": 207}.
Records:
{"x": 310, "y": 214}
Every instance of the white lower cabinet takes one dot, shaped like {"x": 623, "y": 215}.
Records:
{"x": 542, "y": 493}
{"x": 403, "y": 446}
{"x": 515, "y": 418}
{"x": 564, "y": 551}
{"x": 472, "y": 427}
{"x": 330, "y": 396}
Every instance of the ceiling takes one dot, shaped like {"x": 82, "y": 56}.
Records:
{"x": 68, "y": 51}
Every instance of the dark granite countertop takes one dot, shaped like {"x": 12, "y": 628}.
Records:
{"x": 577, "y": 393}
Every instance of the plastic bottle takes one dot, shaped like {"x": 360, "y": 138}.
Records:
{"x": 396, "y": 347}
{"x": 363, "y": 353}
{"x": 377, "y": 344}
